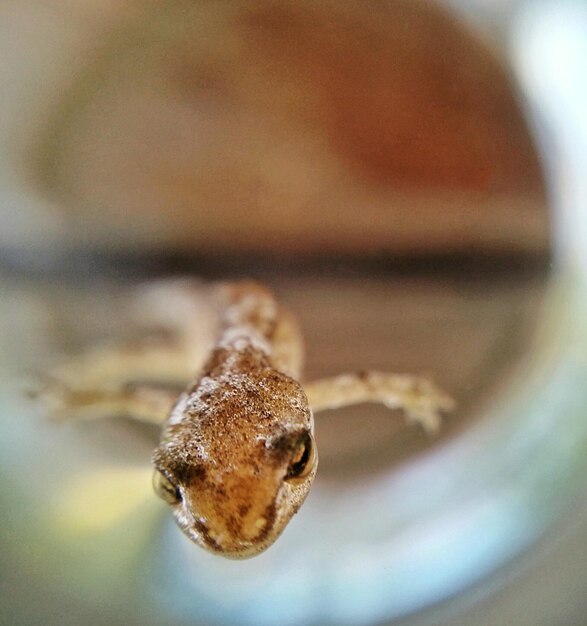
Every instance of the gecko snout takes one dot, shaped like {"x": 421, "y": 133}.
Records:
{"x": 236, "y": 524}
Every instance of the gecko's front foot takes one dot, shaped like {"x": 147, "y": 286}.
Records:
{"x": 423, "y": 402}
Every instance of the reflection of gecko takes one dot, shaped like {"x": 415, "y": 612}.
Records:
{"x": 237, "y": 455}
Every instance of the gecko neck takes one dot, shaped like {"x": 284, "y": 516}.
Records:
{"x": 242, "y": 339}
{"x": 248, "y": 320}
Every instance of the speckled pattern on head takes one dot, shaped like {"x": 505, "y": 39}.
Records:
{"x": 229, "y": 444}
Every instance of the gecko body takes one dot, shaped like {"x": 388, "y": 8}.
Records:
{"x": 237, "y": 454}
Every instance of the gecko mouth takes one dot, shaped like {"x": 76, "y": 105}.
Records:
{"x": 200, "y": 534}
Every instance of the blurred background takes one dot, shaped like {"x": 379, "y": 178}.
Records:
{"x": 407, "y": 176}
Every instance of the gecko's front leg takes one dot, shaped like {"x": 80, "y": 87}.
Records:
{"x": 418, "y": 397}
{"x": 143, "y": 403}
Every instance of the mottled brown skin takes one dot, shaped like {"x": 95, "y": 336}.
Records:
{"x": 233, "y": 435}
{"x": 237, "y": 455}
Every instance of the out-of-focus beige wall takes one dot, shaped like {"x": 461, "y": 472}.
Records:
{"x": 297, "y": 127}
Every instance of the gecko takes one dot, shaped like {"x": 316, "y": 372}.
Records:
{"x": 237, "y": 453}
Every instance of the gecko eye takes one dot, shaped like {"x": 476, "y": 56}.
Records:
{"x": 303, "y": 458}
{"x": 165, "y": 489}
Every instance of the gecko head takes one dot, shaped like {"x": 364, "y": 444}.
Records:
{"x": 234, "y": 479}
{"x": 240, "y": 510}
